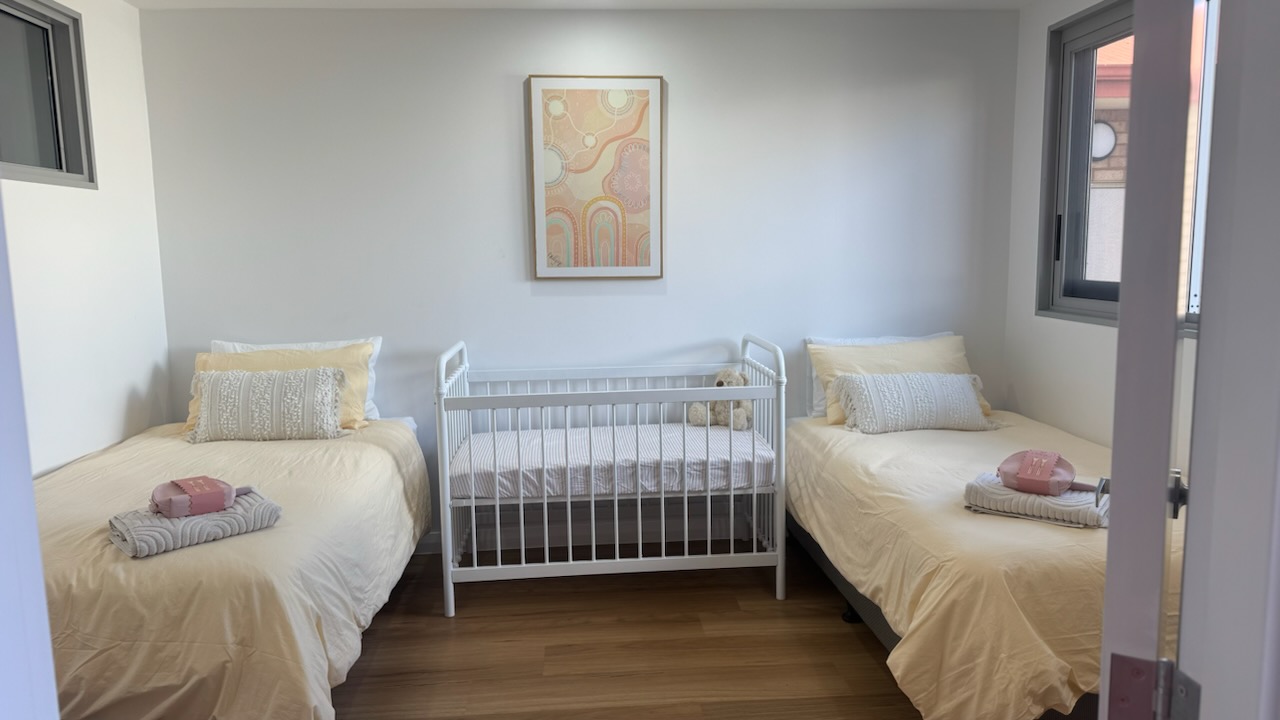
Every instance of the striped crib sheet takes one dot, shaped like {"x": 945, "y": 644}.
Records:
{"x": 661, "y": 449}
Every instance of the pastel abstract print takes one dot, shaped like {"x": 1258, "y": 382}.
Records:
{"x": 598, "y": 160}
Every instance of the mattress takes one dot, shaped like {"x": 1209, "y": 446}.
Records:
{"x": 655, "y": 461}
{"x": 1000, "y": 618}
{"x": 254, "y": 626}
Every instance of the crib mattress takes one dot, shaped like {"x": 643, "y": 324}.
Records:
{"x": 674, "y": 456}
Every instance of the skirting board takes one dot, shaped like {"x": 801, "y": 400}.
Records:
{"x": 1086, "y": 708}
{"x": 428, "y": 544}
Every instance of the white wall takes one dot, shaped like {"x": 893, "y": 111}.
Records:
{"x": 86, "y": 266}
{"x": 26, "y": 657}
{"x": 1058, "y": 371}
{"x": 343, "y": 174}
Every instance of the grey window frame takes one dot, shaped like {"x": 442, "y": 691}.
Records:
{"x": 75, "y": 131}
{"x": 1091, "y": 28}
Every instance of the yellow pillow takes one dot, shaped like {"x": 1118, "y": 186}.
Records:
{"x": 353, "y": 360}
{"x": 937, "y": 355}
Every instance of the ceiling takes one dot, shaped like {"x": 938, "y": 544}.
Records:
{"x": 588, "y": 4}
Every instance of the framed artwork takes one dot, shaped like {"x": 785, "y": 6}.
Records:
{"x": 597, "y": 176}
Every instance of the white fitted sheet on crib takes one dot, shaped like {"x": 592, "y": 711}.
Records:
{"x": 667, "y": 449}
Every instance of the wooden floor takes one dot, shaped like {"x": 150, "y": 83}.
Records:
{"x": 705, "y": 644}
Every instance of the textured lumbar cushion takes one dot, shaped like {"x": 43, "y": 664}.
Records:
{"x": 301, "y": 404}
{"x": 370, "y": 409}
{"x": 911, "y": 401}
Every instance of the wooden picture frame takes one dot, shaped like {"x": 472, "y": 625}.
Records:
{"x": 596, "y": 153}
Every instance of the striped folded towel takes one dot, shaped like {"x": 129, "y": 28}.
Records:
{"x": 1073, "y": 508}
{"x": 142, "y": 533}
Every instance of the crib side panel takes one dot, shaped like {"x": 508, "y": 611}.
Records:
{"x": 603, "y": 466}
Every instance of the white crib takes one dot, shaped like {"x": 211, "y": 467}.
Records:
{"x": 548, "y": 473}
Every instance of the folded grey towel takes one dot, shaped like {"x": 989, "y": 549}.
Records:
{"x": 142, "y": 533}
{"x": 1073, "y": 508}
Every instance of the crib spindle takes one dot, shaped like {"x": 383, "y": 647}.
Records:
{"x": 591, "y": 468}
{"x": 755, "y": 528}
{"x": 732, "y": 466}
{"x": 684, "y": 473}
{"x": 520, "y": 480}
{"x": 546, "y": 519}
{"x": 662, "y": 477}
{"x": 617, "y": 536}
{"x": 568, "y": 486}
{"x": 639, "y": 487}
{"x": 706, "y": 475}
{"x": 475, "y": 554}
{"x": 497, "y": 486}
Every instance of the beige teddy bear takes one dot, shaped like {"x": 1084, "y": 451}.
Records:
{"x": 742, "y": 411}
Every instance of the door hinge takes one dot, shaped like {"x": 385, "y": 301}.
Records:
{"x": 1143, "y": 689}
{"x": 1184, "y": 695}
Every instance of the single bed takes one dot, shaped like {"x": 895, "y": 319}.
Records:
{"x": 995, "y": 618}
{"x": 255, "y": 626}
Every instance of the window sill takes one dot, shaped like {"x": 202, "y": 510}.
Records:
{"x": 1075, "y": 316}
{"x": 1185, "y": 329}
{"x": 28, "y": 173}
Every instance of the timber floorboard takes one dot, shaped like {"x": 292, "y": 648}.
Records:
{"x": 705, "y": 645}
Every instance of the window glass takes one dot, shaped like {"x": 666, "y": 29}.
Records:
{"x": 1108, "y": 150}
{"x": 1095, "y": 103}
{"x": 28, "y": 113}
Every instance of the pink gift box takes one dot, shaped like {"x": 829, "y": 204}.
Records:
{"x": 191, "y": 496}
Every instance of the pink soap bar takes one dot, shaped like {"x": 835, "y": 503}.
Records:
{"x": 1037, "y": 466}
{"x": 192, "y": 496}
{"x": 1039, "y": 472}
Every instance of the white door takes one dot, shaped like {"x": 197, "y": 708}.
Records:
{"x": 1230, "y": 639}
{"x": 27, "y": 687}
{"x": 1138, "y": 540}
{"x": 1230, "y": 608}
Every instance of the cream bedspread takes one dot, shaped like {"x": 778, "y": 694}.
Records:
{"x": 1000, "y": 618}
{"x": 255, "y": 626}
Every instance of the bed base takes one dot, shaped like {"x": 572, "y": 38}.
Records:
{"x": 862, "y": 610}
{"x": 687, "y": 495}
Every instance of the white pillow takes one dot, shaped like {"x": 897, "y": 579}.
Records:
{"x": 370, "y": 410}
{"x": 817, "y": 396}
{"x": 911, "y": 401}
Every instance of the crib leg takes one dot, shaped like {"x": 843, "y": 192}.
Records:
{"x": 780, "y": 577}
{"x": 448, "y": 596}
{"x": 850, "y": 615}
{"x": 446, "y": 563}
